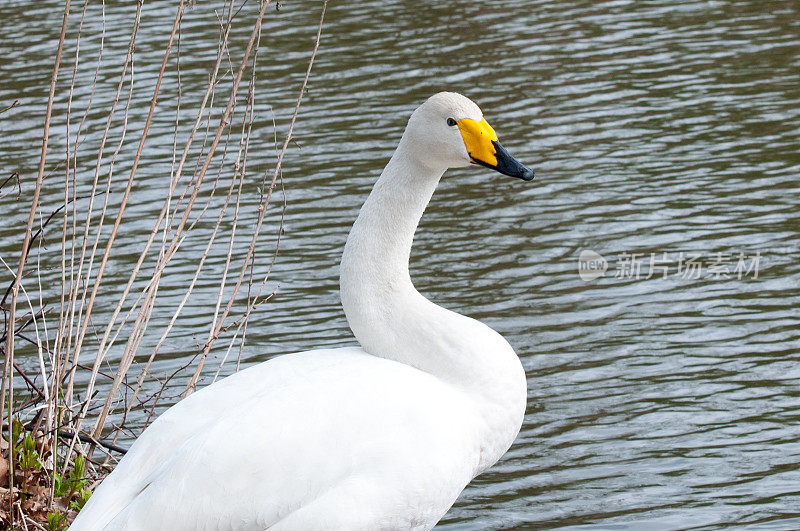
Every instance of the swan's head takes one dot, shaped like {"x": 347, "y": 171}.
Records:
{"x": 450, "y": 129}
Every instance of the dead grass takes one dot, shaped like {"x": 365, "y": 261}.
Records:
{"x": 62, "y": 421}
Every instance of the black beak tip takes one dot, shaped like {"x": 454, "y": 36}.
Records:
{"x": 508, "y": 165}
{"x": 527, "y": 175}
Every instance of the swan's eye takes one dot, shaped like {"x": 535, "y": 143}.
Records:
{"x": 451, "y": 122}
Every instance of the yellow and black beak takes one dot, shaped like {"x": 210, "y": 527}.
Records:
{"x": 484, "y": 149}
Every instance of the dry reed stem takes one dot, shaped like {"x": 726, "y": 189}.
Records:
{"x": 75, "y": 159}
{"x": 244, "y": 144}
{"x": 54, "y": 403}
{"x": 9, "y": 357}
{"x": 123, "y": 204}
{"x": 72, "y": 279}
{"x": 103, "y": 348}
{"x": 191, "y": 386}
{"x": 204, "y": 256}
{"x": 73, "y": 299}
{"x": 174, "y": 245}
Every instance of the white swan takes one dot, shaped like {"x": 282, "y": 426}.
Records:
{"x": 384, "y": 436}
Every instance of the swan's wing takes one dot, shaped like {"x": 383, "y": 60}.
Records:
{"x": 191, "y": 416}
{"x": 292, "y": 439}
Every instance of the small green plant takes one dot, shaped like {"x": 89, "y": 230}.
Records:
{"x": 61, "y": 486}
{"x": 16, "y": 430}
{"x": 77, "y": 479}
{"x": 75, "y": 482}
{"x": 56, "y": 522}
{"x": 27, "y": 455}
{"x": 83, "y": 496}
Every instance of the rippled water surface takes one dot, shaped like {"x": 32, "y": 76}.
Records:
{"x": 659, "y": 131}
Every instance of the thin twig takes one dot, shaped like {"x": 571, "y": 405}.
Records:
{"x": 126, "y": 194}
{"x": 7, "y": 382}
{"x": 190, "y": 387}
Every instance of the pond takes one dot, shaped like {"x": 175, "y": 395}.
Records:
{"x": 649, "y": 277}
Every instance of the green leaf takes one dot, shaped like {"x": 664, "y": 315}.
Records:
{"x": 16, "y": 431}
{"x": 61, "y": 486}
{"x": 27, "y": 456}
{"x": 29, "y": 444}
{"x": 56, "y": 522}
{"x": 78, "y": 468}
{"x": 29, "y": 461}
{"x": 76, "y": 480}
{"x": 83, "y": 497}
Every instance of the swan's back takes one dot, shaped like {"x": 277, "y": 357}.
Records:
{"x": 305, "y": 431}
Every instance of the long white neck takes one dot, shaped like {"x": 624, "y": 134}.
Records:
{"x": 386, "y": 313}
{"x": 380, "y": 241}
{"x": 392, "y": 320}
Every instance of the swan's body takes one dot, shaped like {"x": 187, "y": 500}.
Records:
{"x": 382, "y": 436}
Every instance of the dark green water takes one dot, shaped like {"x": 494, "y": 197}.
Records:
{"x": 661, "y": 129}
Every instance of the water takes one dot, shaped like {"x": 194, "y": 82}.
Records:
{"x": 665, "y": 129}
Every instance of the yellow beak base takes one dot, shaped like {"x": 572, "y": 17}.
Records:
{"x": 484, "y": 148}
{"x": 478, "y": 137}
